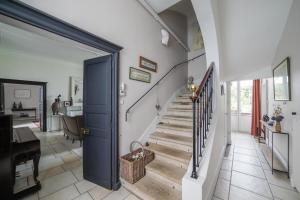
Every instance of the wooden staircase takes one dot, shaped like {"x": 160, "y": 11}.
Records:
{"x": 172, "y": 145}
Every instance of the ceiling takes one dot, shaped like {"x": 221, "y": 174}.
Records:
{"x": 161, "y": 5}
{"x": 35, "y": 43}
{"x": 184, "y": 7}
{"x": 250, "y": 33}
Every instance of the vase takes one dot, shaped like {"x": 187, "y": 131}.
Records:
{"x": 278, "y": 127}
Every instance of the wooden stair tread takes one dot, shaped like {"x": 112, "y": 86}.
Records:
{"x": 172, "y": 138}
{"x": 149, "y": 188}
{"x": 166, "y": 170}
{"x": 178, "y": 117}
{"x": 171, "y": 153}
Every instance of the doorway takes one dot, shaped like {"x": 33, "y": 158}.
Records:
{"x": 241, "y": 106}
{"x": 27, "y": 15}
{"x": 26, "y": 101}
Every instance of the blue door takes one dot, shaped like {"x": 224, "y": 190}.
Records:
{"x": 97, "y": 112}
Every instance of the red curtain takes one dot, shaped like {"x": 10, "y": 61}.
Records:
{"x": 256, "y": 108}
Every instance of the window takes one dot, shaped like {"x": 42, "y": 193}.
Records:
{"x": 241, "y": 97}
{"x": 234, "y": 97}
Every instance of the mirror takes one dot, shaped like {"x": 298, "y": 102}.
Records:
{"x": 282, "y": 81}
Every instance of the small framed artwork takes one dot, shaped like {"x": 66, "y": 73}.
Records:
{"x": 139, "y": 75}
{"x": 148, "y": 64}
{"x": 22, "y": 93}
{"x": 67, "y": 103}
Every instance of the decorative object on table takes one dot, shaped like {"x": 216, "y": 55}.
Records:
{"x": 22, "y": 93}
{"x": 14, "y": 106}
{"x": 277, "y": 117}
{"x": 56, "y": 105}
{"x": 190, "y": 82}
{"x": 193, "y": 90}
{"x": 71, "y": 101}
{"x": 133, "y": 164}
{"x": 139, "y": 75}
{"x": 77, "y": 90}
{"x": 222, "y": 90}
{"x": 266, "y": 118}
{"x": 282, "y": 81}
{"x": 271, "y": 123}
{"x": 67, "y": 103}
{"x": 148, "y": 64}
{"x": 20, "y": 106}
{"x": 157, "y": 107}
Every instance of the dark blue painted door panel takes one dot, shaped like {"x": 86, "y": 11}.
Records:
{"x": 97, "y": 111}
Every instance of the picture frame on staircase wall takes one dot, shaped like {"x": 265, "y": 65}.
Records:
{"x": 139, "y": 75}
{"x": 148, "y": 64}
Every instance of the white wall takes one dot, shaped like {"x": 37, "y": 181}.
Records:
{"x": 127, "y": 24}
{"x": 32, "y": 102}
{"x": 28, "y": 67}
{"x": 289, "y": 45}
{"x": 197, "y": 67}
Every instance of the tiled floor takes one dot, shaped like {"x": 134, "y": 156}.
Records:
{"x": 61, "y": 173}
{"x": 245, "y": 174}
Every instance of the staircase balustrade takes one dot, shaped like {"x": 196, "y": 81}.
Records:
{"x": 202, "y": 99}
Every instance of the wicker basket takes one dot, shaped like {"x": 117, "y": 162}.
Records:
{"x": 133, "y": 169}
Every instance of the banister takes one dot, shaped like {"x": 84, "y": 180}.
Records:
{"x": 175, "y": 66}
{"x": 202, "y": 107}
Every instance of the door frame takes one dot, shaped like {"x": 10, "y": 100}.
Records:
{"x": 43, "y": 85}
{"x": 32, "y": 16}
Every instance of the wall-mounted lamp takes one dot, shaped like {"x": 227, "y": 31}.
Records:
{"x": 122, "y": 89}
{"x": 165, "y": 37}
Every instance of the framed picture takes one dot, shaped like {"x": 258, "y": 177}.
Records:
{"x": 148, "y": 64}
{"x": 139, "y": 75}
{"x": 282, "y": 81}
{"x": 22, "y": 93}
{"x": 77, "y": 90}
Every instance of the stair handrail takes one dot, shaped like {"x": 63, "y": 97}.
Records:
{"x": 175, "y": 66}
{"x": 202, "y": 99}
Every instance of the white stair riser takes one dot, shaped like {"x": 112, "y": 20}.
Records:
{"x": 179, "y": 106}
{"x": 170, "y": 131}
{"x": 163, "y": 179}
{"x": 171, "y": 144}
{"x": 177, "y": 122}
{"x": 179, "y": 113}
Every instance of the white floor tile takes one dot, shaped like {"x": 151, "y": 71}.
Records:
{"x": 249, "y": 152}
{"x": 251, "y": 183}
{"x": 248, "y": 169}
{"x": 131, "y": 197}
{"x": 241, "y": 194}
{"x": 84, "y": 186}
{"x": 247, "y": 159}
{"x": 284, "y": 194}
{"x": 279, "y": 179}
{"x": 84, "y": 196}
{"x": 64, "y": 194}
{"x": 226, "y": 165}
{"x": 55, "y": 183}
{"x": 225, "y": 174}
{"x": 122, "y": 193}
{"x": 222, "y": 189}
{"x": 99, "y": 193}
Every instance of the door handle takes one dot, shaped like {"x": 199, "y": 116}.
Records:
{"x": 85, "y": 131}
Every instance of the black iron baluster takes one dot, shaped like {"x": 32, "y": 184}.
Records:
{"x": 194, "y": 173}
{"x": 198, "y": 127}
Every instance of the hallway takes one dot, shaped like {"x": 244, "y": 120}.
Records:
{"x": 245, "y": 174}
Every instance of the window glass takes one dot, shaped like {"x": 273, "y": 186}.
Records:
{"x": 246, "y": 96}
{"x": 234, "y": 97}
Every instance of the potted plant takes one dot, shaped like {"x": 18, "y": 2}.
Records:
{"x": 277, "y": 116}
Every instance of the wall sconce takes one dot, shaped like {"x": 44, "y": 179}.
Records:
{"x": 122, "y": 89}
